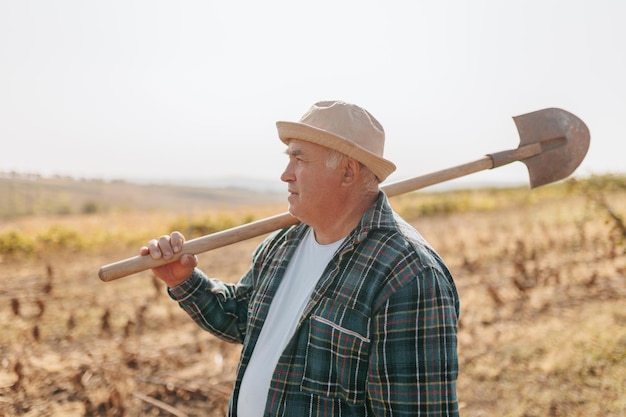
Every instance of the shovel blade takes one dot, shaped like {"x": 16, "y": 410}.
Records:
{"x": 564, "y": 140}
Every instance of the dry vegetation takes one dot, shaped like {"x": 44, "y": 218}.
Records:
{"x": 541, "y": 274}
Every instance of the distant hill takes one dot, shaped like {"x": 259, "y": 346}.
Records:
{"x": 25, "y": 194}
{"x": 33, "y": 194}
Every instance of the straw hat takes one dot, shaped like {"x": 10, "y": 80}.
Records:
{"x": 344, "y": 127}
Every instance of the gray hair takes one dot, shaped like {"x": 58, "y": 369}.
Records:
{"x": 370, "y": 180}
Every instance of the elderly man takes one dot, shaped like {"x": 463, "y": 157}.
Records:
{"x": 348, "y": 313}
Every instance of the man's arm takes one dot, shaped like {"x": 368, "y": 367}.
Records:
{"x": 217, "y": 307}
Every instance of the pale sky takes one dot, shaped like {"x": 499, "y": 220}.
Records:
{"x": 160, "y": 89}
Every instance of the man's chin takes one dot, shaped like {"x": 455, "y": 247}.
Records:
{"x": 293, "y": 210}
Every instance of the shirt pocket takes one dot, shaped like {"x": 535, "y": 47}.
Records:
{"x": 337, "y": 353}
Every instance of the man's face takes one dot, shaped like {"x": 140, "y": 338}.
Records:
{"x": 311, "y": 184}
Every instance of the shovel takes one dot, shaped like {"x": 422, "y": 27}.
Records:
{"x": 553, "y": 142}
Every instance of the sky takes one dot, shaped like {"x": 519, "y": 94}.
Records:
{"x": 191, "y": 90}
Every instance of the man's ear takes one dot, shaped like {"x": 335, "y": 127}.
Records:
{"x": 351, "y": 169}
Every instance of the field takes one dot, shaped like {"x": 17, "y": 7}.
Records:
{"x": 541, "y": 275}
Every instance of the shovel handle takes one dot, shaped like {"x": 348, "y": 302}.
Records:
{"x": 417, "y": 183}
{"x": 206, "y": 243}
{"x": 490, "y": 161}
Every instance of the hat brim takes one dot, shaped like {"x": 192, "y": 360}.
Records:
{"x": 381, "y": 167}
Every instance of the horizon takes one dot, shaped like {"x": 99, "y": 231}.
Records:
{"x": 277, "y": 186}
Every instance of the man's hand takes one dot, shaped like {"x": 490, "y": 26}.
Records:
{"x": 166, "y": 247}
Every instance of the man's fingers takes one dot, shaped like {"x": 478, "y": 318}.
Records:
{"x": 165, "y": 246}
{"x": 152, "y": 248}
{"x": 176, "y": 241}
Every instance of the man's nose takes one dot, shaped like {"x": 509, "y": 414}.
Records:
{"x": 287, "y": 174}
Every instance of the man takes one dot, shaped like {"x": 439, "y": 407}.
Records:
{"x": 348, "y": 313}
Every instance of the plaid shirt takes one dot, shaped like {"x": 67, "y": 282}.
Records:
{"x": 377, "y": 338}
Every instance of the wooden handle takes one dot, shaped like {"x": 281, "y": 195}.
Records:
{"x": 206, "y": 243}
{"x": 417, "y": 183}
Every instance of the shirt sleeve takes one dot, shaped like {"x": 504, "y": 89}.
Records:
{"x": 414, "y": 362}
{"x": 218, "y": 307}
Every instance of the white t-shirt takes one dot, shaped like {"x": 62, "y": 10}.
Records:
{"x": 292, "y": 296}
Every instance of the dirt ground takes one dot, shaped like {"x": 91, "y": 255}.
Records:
{"x": 542, "y": 330}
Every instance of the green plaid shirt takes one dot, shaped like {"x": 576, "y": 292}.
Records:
{"x": 377, "y": 338}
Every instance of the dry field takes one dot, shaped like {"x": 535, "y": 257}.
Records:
{"x": 542, "y": 332}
